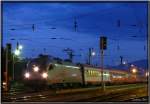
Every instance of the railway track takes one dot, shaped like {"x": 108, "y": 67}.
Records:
{"x": 84, "y": 94}
{"x": 122, "y": 95}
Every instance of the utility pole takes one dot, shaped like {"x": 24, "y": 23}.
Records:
{"x": 121, "y": 59}
{"x": 103, "y": 46}
{"x": 75, "y": 25}
{"x": 33, "y": 27}
{"x": 17, "y": 46}
{"x": 44, "y": 49}
{"x": 70, "y": 53}
{"x": 89, "y": 56}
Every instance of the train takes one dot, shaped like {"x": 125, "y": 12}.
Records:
{"x": 54, "y": 74}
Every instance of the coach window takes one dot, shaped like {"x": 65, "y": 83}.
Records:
{"x": 86, "y": 72}
{"x": 99, "y": 73}
{"x": 89, "y": 72}
{"x": 92, "y": 73}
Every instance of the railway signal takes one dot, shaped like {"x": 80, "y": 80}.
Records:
{"x": 103, "y": 43}
{"x": 121, "y": 60}
{"x": 103, "y": 46}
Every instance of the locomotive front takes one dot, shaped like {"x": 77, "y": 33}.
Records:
{"x": 36, "y": 73}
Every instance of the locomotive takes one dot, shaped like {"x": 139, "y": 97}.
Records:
{"x": 54, "y": 73}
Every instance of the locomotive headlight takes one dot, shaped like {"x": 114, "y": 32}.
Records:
{"x": 36, "y": 69}
{"x": 44, "y": 75}
{"x": 27, "y": 75}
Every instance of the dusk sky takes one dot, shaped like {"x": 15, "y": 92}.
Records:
{"x": 54, "y": 29}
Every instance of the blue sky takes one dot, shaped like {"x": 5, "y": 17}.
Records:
{"x": 93, "y": 20}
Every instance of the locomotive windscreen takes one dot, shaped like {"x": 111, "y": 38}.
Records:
{"x": 41, "y": 63}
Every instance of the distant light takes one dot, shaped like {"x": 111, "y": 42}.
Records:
{"x": 17, "y": 52}
{"x": 44, "y": 75}
{"x": 20, "y": 47}
{"x": 124, "y": 62}
{"x": 147, "y": 74}
{"x": 93, "y": 53}
{"x": 134, "y": 70}
{"x": 132, "y": 65}
{"x": 36, "y": 69}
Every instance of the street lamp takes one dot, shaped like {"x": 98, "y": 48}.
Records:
{"x": 124, "y": 62}
{"x": 93, "y": 53}
{"x": 17, "y": 52}
{"x": 20, "y": 47}
{"x": 134, "y": 70}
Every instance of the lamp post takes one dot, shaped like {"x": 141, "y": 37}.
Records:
{"x": 20, "y": 47}
{"x": 16, "y": 53}
{"x": 91, "y": 54}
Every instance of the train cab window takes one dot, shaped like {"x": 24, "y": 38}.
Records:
{"x": 51, "y": 67}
